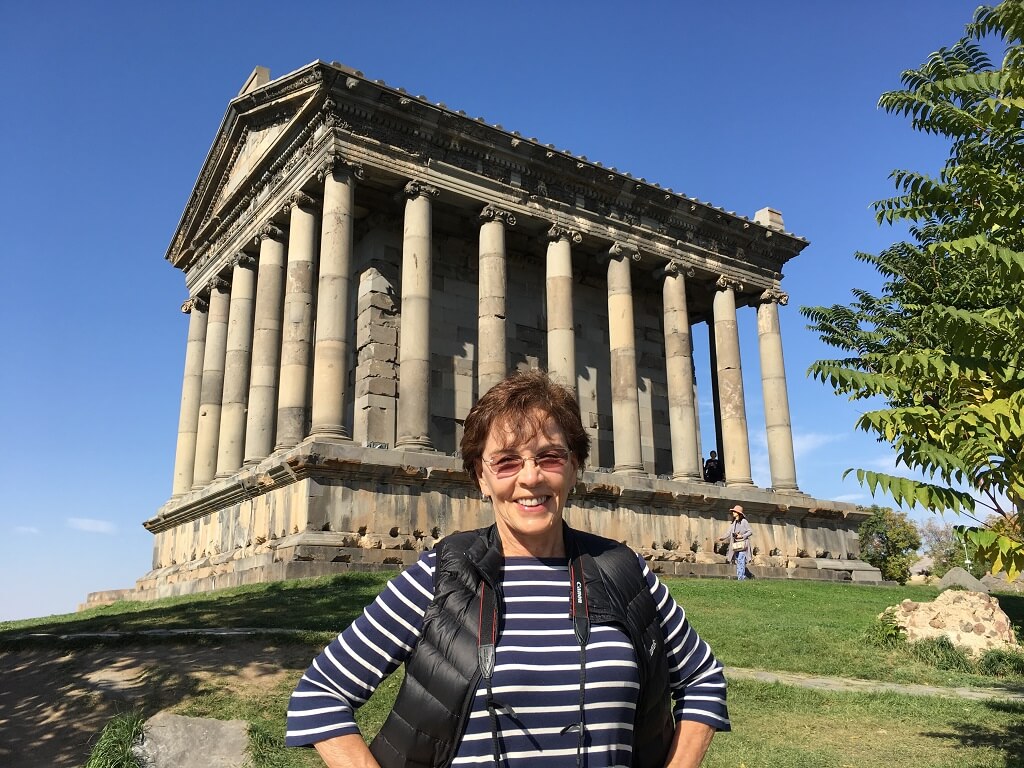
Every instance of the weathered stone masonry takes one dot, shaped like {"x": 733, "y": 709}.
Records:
{"x": 362, "y": 264}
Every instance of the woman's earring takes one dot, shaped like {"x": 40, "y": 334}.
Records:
{"x": 486, "y": 499}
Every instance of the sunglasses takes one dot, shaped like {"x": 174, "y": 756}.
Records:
{"x": 552, "y": 460}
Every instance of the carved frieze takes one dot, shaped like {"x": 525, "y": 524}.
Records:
{"x": 625, "y": 250}
{"x": 416, "y": 188}
{"x": 198, "y": 303}
{"x": 558, "y": 232}
{"x": 299, "y": 200}
{"x": 674, "y": 268}
{"x": 244, "y": 260}
{"x": 277, "y": 89}
{"x": 726, "y": 283}
{"x": 421, "y": 130}
{"x": 774, "y": 296}
{"x": 341, "y": 168}
{"x": 270, "y": 232}
{"x": 218, "y": 283}
{"x": 493, "y": 213}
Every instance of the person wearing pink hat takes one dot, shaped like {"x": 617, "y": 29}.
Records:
{"x": 739, "y": 541}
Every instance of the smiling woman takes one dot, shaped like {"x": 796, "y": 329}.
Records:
{"x": 523, "y": 445}
{"x": 526, "y": 643}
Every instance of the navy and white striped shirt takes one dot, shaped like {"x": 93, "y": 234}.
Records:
{"x": 537, "y": 671}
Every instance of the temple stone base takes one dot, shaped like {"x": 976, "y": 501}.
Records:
{"x": 327, "y": 507}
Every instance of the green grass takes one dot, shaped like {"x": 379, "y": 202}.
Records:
{"x": 774, "y": 725}
{"x": 793, "y": 626}
{"x": 783, "y": 727}
{"x": 805, "y": 627}
{"x": 816, "y": 628}
{"x": 114, "y": 747}
{"x": 321, "y": 604}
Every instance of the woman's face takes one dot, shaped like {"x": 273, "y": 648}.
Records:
{"x": 528, "y": 503}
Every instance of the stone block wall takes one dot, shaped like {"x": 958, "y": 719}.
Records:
{"x": 329, "y": 507}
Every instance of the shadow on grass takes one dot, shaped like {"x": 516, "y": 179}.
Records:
{"x": 58, "y": 692}
{"x": 54, "y": 703}
{"x": 1006, "y": 741}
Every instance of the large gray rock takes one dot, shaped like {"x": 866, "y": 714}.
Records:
{"x": 174, "y": 741}
{"x": 958, "y": 577}
{"x": 1000, "y": 584}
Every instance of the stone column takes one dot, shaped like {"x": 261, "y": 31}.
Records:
{"x": 561, "y": 322}
{"x": 331, "y": 346}
{"x": 266, "y": 346}
{"x": 781, "y": 459}
{"x": 622, "y": 346}
{"x": 696, "y": 412}
{"x": 191, "y": 391}
{"x": 679, "y": 374}
{"x": 414, "y": 336}
{"x": 491, "y": 348}
{"x": 297, "y": 326}
{"x": 231, "y": 445}
{"x": 213, "y": 384}
{"x": 734, "y": 439}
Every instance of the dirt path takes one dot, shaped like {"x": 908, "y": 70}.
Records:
{"x": 851, "y": 685}
{"x": 54, "y": 703}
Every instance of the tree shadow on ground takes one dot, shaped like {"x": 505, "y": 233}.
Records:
{"x": 54, "y": 703}
{"x": 1013, "y": 607}
{"x": 1007, "y": 741}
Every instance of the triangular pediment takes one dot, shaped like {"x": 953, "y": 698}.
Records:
{"x": 257, "y": 129}
{"x": 253, "y": 146}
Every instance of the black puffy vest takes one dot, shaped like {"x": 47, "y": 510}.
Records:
{"x": 433, "y": 703}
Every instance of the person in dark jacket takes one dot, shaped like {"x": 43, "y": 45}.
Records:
{"x": 714, "y": 472}
{"x": 526, "y": 643}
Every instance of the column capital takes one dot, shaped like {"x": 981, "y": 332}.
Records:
{"x": 558, "y": 232}
{"x": 218, "y": 283}
{"x": 339, "y": 166}
{"x": 491, "y": 213}
{"x": 725, "y": 283}
{"x": 674, "y": 269}
{"x": 623, "y": 250}
{"x": 197, "y": 303}
{"x": 416, "y": 188}
{"x": 774, "y": 296}
{"x": 269, "y": 232}
{"x": 243, "y": 259}
{"x": 298, "y": 200}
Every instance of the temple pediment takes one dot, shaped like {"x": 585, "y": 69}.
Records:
{"x": 262, "y": 117}
{"x": 254, "y": 145}
{"x": 274, "y": 128}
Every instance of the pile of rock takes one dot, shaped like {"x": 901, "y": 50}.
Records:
{"x": 971, "y": 620}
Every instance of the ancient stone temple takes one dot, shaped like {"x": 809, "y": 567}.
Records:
{"x": 362, "y": 264}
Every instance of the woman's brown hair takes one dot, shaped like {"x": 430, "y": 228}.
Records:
{"x": 521, "y": 404}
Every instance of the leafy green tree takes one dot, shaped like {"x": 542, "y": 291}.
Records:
{"x": 940, "y": 348}
{"x": 944, "y": 543}
{"x": 939, "y": 541}
{"x": 889, "y": 541}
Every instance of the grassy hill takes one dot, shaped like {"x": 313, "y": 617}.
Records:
{"x": 788, "y": 626}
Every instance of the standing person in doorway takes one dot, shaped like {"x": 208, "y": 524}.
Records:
{"x": 519, "y": 648}
{"x": 739, "y": 541}
{"x": 714, "y": 472}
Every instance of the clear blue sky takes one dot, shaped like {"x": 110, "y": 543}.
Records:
{"x": 111, "y": 108}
